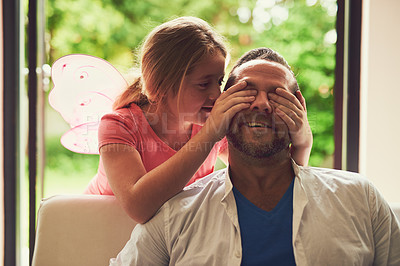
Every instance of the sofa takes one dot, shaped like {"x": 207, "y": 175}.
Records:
{"x": 80, "y": 230}
{"x": 84, "y": 230}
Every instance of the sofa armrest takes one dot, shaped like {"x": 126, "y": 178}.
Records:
{"x": 80, "y": 230}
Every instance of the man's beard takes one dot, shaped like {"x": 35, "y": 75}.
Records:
{"x": 257, "y": 150}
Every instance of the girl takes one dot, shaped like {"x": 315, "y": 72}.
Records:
{"x": 154, "y": 143}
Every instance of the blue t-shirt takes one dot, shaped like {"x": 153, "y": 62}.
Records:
{"x": 266, "y": 236}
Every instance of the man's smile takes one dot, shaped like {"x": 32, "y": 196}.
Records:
{"x": 257, "y": 125}
{"x": 255, "y": 121}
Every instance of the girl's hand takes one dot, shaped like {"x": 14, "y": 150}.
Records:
{"x": 292, "y": 110}
{"x": 230, "y": 102}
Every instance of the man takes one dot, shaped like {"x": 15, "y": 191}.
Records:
{"x": 264, "y": 209}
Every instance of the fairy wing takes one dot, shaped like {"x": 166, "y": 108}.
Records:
{"x": 85, "y": 88}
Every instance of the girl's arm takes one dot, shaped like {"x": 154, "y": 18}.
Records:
{"x": 292, "y": 110}
{"x": 142, "y": 193}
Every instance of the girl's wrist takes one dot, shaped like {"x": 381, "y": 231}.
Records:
{"x": 208, "y": 133}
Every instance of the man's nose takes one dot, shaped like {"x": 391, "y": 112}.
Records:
{"x": 261, "y": 103}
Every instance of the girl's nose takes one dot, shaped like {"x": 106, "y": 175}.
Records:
{"x": 215, "y": 92}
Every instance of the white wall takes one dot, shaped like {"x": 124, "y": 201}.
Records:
{"x": 380, "y": 94}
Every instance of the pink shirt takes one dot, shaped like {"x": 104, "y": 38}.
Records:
{"x": 129, "y": 126}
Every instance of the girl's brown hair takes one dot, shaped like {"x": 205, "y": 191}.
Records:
{"x": 169, "y": 53}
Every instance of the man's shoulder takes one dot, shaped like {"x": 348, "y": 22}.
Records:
{"x": 333, "y": 173}
{"x": 214, "y": 177}
{"x": 333, "y": 179}
{"x": 209, "y": 187}
{"x": 211, "y": 182}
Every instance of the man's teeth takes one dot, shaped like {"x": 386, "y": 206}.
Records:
{"x": 255, "y": 124}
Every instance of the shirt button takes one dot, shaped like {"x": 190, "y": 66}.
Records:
{"x": 237, "y": 254}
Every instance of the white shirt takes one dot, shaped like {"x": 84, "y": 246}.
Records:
{"x": 339, "y": 218}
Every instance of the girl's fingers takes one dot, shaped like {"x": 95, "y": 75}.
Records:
{"x": 235, "y": 109}
{"x": 226, "y": 105}
{"x": 232, "y": 98}
{"x": 300, "y": 97}
{"x": 286, "y": 98}
{"x": 289, "y": 114}
{"x": 241, "y": 93}
{"x": 288, "y": 106}
{"x": 237, "y": 87}
{"x": 279, "y": 101}
{"x": 288, "y": 121}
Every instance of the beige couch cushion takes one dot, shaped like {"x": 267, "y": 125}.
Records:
{"x": 80, "y": 230}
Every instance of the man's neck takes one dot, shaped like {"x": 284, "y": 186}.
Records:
{"x": 261, "y": 181}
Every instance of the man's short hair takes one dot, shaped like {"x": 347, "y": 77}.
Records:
{"x": 261, "y": 53}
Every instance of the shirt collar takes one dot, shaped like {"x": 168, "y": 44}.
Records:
{"x": 229, "y": 185}
{"x": 296, "y": 169}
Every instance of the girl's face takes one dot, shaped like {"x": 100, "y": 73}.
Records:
{"x": 200, "y": 88}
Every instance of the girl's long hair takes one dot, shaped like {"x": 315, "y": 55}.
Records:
{"x": 170, "y": 52}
